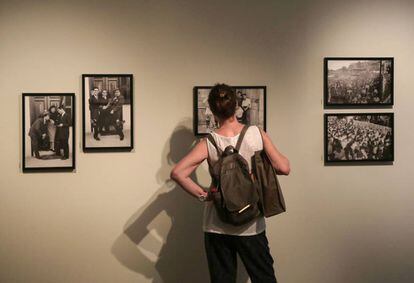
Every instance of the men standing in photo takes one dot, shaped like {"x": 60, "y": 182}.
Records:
{"x": 62, "y": 133}
{"x": 115, "y": 112}
{"x": 38, "y": 133}
{"x": 94, "y": 109}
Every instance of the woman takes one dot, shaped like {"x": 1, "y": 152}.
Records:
{"x": 51, "y": 126}
{"x": 223, "y": 241}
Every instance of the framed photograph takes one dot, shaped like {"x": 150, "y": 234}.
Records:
{"x": 107, "y": 113}
{"x": 48, "y": 142}
{"x": 359, "y": 137}
{"x": 251, "y": 108}
{"x": 358, "y": 81}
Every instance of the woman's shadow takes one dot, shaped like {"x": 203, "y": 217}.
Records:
{"x": 163, "y": 240}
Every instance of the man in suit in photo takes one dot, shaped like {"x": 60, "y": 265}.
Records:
{"x": 38, "y": 133}
{"x": 62, "y": 133}
{"x": 94, "y": 104}
{"x": 116, "y": 112}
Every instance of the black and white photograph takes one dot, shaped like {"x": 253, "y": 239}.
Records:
{"x": 359, "y": 81}
{"x": 359, "y": 137}
{"x": 251, "y": 108}
{"x": 48, "y": 132}
{"x": 107, "y": 112}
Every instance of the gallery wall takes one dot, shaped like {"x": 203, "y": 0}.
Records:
{"x": 118, "y": 218}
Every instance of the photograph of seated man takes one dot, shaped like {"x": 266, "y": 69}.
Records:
{"x": 107, "y": 112}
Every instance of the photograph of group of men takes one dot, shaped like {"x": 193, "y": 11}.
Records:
{"x": 107, "y": 111}
{"x": 48, "y": 123}
{"x": 360, "y": 137}
{"x": 250, "y": 108}
{"x": 359, "y": 82}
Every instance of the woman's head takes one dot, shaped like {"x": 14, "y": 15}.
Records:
{"x": 52, "y": 109}
{"x": 222, "y": 101}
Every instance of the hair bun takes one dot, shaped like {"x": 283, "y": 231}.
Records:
{"x": 223, "y": 95}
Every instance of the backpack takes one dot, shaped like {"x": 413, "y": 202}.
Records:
{"x": 270, "y": 193}
{"x": 234, "y": 191}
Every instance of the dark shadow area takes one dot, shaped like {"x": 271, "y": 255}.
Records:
{"x": 163, "y": 240}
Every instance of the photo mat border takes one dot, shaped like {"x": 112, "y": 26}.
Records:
{"x": 109, "y": 148}
{"x": 360, "y": 161}
{"x": 73, "y": 116}
{"x": 328, "y": 105}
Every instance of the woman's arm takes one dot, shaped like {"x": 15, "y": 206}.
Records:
{"x": 278, "y": 160}
{"x": 183, "y": 169}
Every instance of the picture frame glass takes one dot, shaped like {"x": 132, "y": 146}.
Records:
{"x": 48, "y": 132}
{"x": 107, "y": 112}
{"x": 359, "y": 81}
{"x": 356, "y": 137}
{"x": 250, "y": 110}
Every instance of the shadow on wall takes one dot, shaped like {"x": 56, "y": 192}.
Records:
{"x": 163, "y": 240}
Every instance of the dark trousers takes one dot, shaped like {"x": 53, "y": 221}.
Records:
{"x": 253, "y": 250}
{"x": 35, "y": 145}
{"x": 63, "y": 144}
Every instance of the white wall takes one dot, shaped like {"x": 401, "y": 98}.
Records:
{"x": 344, "y": 224}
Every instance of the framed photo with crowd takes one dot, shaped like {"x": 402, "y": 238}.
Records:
{"x": 356, "y": 137}
{"x": 48, "y": 125}
{"x": 107, "y": 112}
{"x": 358, "y": 81}
{"x": 251, "y": 108}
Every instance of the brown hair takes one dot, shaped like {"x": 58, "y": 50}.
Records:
{"x": 222, "y": 101}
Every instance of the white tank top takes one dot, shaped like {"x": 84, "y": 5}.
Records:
{"x": 211, "y": 222}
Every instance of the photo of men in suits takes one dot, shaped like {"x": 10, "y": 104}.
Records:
{"x": 48, "y": 141}
{"x": 107, "y": 112}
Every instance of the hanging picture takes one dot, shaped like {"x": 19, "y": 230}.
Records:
{"x": 359, "y": 137}
{"x": 48, "y": 132}
{"x": 251, "y": 108}
{"x": 107, "y": 112}
{"x": 358, "y": 81}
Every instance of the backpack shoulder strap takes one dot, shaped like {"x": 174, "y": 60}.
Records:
{"x": 261, "y": 135}
{"x": 213, "y": 142}
{"x": 240, "y": 139}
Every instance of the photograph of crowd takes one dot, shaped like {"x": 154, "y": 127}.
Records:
{"x": 107, "y": 113}
{"x": 251, "y": 108}
{"x": 359, "y": 137}
{"x": 359, "y": 81}
{"x": 48, "y": 132}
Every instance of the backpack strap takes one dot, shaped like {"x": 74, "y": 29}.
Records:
{"x": 240, "y": 139}
{"x": 213, "y": 142}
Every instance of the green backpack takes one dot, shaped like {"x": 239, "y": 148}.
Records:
{"x": 234, "y": 190}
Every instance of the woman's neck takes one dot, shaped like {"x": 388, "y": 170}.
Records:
{"x": 229, "y": 127}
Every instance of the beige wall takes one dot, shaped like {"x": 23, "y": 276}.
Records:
{"x": 344, "y": 224}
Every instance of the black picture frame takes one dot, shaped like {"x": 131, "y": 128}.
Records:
{"x": 26, "y": 128}
{"x": 236, "y": 88}
{"x": 387, "y": 104}
{"x": 387, "y": 160}
{"x": 129, "y": 98}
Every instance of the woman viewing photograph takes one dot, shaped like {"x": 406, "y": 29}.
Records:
{"x": 223, "y": 241}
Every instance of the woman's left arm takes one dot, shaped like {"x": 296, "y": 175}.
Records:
{"x": 182, "y": 171}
